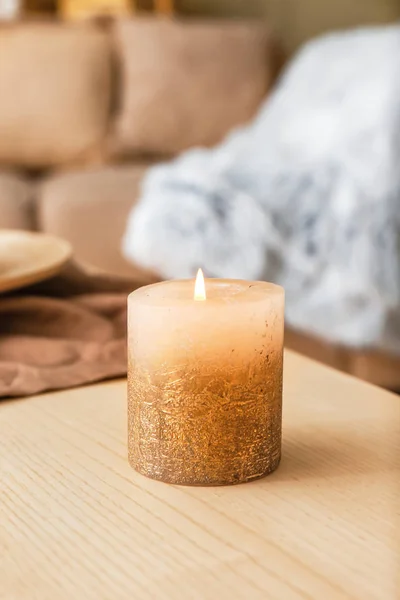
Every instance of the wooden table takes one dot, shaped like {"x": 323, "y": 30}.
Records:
{"x": 78, "y": 524}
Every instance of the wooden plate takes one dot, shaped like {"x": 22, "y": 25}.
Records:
{"x": 27, "y": 257}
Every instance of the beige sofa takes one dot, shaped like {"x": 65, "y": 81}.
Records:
{"x": 85, "y": 109}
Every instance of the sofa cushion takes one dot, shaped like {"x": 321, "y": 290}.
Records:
{"x": 16, "y": 202}
{"x": 54, "y": 93}
{"x": 90, "y": 210}
{"x": 187, "y": 84}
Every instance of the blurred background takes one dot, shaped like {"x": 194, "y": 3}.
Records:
{"x": 295, "y": 21}
{"x": 86, "y": 107}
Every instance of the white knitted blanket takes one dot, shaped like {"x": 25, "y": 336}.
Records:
{"x": 308, "y": 195}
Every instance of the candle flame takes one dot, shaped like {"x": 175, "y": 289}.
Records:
{"x": 199, "y": 287}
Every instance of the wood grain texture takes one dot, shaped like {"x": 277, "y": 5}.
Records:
{"x": 76, "y": 522}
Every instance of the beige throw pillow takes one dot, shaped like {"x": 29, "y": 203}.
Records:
{"x": 188, "y": 83}
{"x": 54, "y": 93}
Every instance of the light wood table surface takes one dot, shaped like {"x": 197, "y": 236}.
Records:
{"x": 76, "y": 523}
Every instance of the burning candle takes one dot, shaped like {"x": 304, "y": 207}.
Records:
{"x": 205, "y": 380}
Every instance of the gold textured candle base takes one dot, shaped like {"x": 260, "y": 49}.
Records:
{"x": 206, "y": 425}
